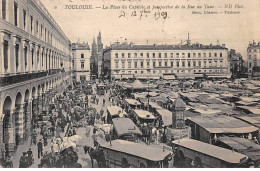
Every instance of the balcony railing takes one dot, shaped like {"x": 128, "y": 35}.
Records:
{"x": 13, "y": 79}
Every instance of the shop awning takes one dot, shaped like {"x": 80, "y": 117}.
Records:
{"x": 185, "y": 76}
{"x": 169, "y": 77}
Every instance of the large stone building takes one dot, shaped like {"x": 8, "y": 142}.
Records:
{"x": 158, "y": 61}
{"x": 236, "y": 63}
{"x": 253, "y": 57}
{"x": 35, "y": 59}
{"x": 81, "y": 61}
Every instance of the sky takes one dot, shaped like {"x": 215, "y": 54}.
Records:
{"x": 234, "y": 30}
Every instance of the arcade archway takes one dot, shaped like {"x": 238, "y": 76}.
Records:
{"x": 34, "y": 108}
{"x": 8, "y": 129}
{"x": 26, "y": 114}
{"x": 19, "y": 117}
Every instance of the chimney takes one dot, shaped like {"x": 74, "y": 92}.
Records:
{"x": 154, "y": 45}
{"x": 223, "y": 45}
{"x": 210, "y": 45}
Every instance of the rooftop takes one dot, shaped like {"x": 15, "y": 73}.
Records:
{"x": 125, "y": 126}
{"x": 116, "y": 110}
{"x": 211, "y": 150}
{"x": 80, "y": 46}
{"x": 166, "y": 116}
{"x": 222, "y": 124}
{"x": 153, "y": 153}
{"x": 131, "y": 46}
{"x": 39, "y": 4}
{"x": 132, "y": 102}
{"x": 254, "y": 44}
{"x": 144, "y": 114}
{"x": 243, "y": 145}
{"x": 179, "y": 103}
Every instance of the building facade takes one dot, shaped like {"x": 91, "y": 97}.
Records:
{"x": 157, "y": 61}
{"x": 236, "y": 64}
{"x": 35, "y": 62}
{"x": 253, "y": 58}
{"x": 81, "y": 61}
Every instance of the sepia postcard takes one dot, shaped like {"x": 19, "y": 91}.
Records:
{"x": 129, "y": 83}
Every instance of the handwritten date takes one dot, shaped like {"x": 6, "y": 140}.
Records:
{"x": 144, "y": 14}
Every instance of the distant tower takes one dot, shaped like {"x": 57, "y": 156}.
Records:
{"x": 178, "y": 121}
{"x": 188, "y": 41}
{"x": 100, "y": 55}
{"x": 94, "y": 58}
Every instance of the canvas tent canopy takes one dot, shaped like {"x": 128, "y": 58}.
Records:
{"x": 243, "y": 146}
{"x": 132, "y": 102}
{"x": 166, "y": 116}
{"x": 137, "y": 84}
{"x": 143, "y": 114}
{"x": 124, "y": 126}
{"x": 210, "y": 150}
{"x": 223, "y": 124}
{"x": 152, "y": 153}
{"x": 116, "y": 111}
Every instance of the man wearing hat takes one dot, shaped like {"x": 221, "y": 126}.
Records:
{"x": 24, "y": 161}
{"x": 40, "y": 148}
{"x": 30, "y": 156}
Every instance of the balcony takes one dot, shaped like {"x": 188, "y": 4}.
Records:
{"x": 13, "y": 79}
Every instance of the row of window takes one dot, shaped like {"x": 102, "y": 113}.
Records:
{"x": 171, "y": 64}
{"x": 81, "y": 55}
{"x": 171, "y": 55}
{"x": 172, "y": 71}
{"x": 53, "y": 60}
{"x": 254, "y": 50}
{"x": 254, "y": 64}
{"x": 39, "y": 30}
{"x": 250, "y": 56}
{"x": 82, "y": 64}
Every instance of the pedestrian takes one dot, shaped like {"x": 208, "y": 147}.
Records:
{"x": 104, "y": 101}
{"x": 30, "y": 157}
{"x": 24, "y": 161}
{"x": 70, "y": 133}
{"x": 58, "y": 132}
{"x": 101, "y": 112}
{"x": 40, "y": 148}
{"x": 74, "y": 131}
{"x": 34, "y": 137}
{"x": 104, "y": 119}
{"x": 94, "y": 130}
{"x": 52, "y": 129}
{"x": 45, "y": 139}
